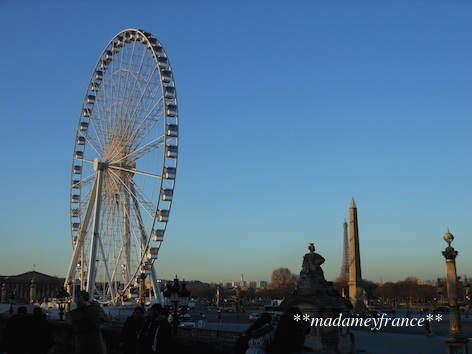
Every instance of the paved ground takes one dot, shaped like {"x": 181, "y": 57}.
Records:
{"x": 378, "y": 342}
{"x": 395, "y": 343}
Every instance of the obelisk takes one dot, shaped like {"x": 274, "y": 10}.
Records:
{"x": 356, "y": 292}
{"x": 344, "y": 274}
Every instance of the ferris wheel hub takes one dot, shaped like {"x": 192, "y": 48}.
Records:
{"x": 98, "y": 165}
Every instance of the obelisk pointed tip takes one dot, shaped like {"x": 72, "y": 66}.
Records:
{"x": 353, "y": 204}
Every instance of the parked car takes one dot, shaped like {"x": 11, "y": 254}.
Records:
{"x": 378, "y": 313}
{"x": 442, "y": 309}
{"x": 187, "y": 324}
{"x": 359, "y": 314}
{"x": 185, "y": 317}
{"x": 186, "y": 321}
{"x": 254, "y": 316}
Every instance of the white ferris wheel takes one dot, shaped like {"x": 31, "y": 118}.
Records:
{"x": 123, "y": 169}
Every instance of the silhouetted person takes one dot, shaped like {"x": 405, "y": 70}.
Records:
{"x": 156, "y": 334}
{"x": 16, "y": 333}
{"x": 145, "y": 335}
{"x": 41, "y": 334}
{"x": 130, "y": 331}
{"x": 86, "y": 321}
{"x": 289, "y": 335}
{"x": 260, "y": 335}
{"x": 427, "y": 327}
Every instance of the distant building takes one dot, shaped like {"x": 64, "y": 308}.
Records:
{"x": 45, "y": 286}
{"x": 261, "y": 284}
{"x": 246, "y": 284}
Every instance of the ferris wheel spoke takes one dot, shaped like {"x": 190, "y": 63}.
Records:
{"x": 143, "y": 150}
{"x": 107, "y": 272}
{"x": 94, "y": 142}
{"x": 134, "y": 130}
{"x": 131, "y": 87}
{"x": 141, "y": 199}
{"x": 117, "y": 263}
{"x": 83, "y": 160}
{"x": 147, "y": 81}
{"x": 84, "y": 182}
{"x": 141, "y": 235}
{"x": 109, "y": 101}
{"x": 118, "y": 133}
{"x": 139, "y": 196}
{"x": 134, "y": 171}
{"x": 98, "y": 117}
{"x": 141, "y": 132}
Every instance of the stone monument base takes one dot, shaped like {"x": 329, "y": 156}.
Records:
{"x": 320, "y": 304}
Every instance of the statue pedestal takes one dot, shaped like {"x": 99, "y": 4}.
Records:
{"x": 323, "y": 306}
{"x": 322, "y": 303}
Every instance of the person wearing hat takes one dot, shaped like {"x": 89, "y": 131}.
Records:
{"x": 86, "y": 320}
{"x": 156, "y": 334}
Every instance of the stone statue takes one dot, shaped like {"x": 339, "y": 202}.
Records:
{"x": 312, "y": 274}
{"x": 312, "y": 263}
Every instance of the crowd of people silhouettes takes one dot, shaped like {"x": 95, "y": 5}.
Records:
{"x": 142, "y": 333}
{"x": 263, "y": 338}
{"x": 27, "y": 333}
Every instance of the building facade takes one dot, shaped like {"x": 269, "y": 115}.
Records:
{"x": 29, "y": 287}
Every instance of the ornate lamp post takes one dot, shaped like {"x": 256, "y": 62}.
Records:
{"x": 142, "y": 289}
{"x": 176, "y": 296}
{"x": 32, "y": 292}
{"x": 11, "y": 297}
{"x": 184, "y": 295}
{"x": 61, "y": 297}
{"x": 4, "y": 293}
{"x": 456, "y": 340}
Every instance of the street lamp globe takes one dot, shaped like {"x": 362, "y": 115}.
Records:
{"x": 448, "y": 237}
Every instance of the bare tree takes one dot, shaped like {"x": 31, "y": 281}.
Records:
{"x": 283, "y": 278}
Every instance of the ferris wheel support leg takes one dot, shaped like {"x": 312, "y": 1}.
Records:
{"x": 95, "y": 235}
{"x": 110, "y": 280}
{"x": 127, "y": 239}
{"x": 156, "y": 287}
{"x": 79, "y": 247}
{"x": 139, "y": 219}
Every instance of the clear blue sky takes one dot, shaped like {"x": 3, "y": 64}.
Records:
{"x": 288, "y": 109}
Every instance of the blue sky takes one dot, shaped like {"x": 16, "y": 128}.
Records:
{"x": 287, "y": 111}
